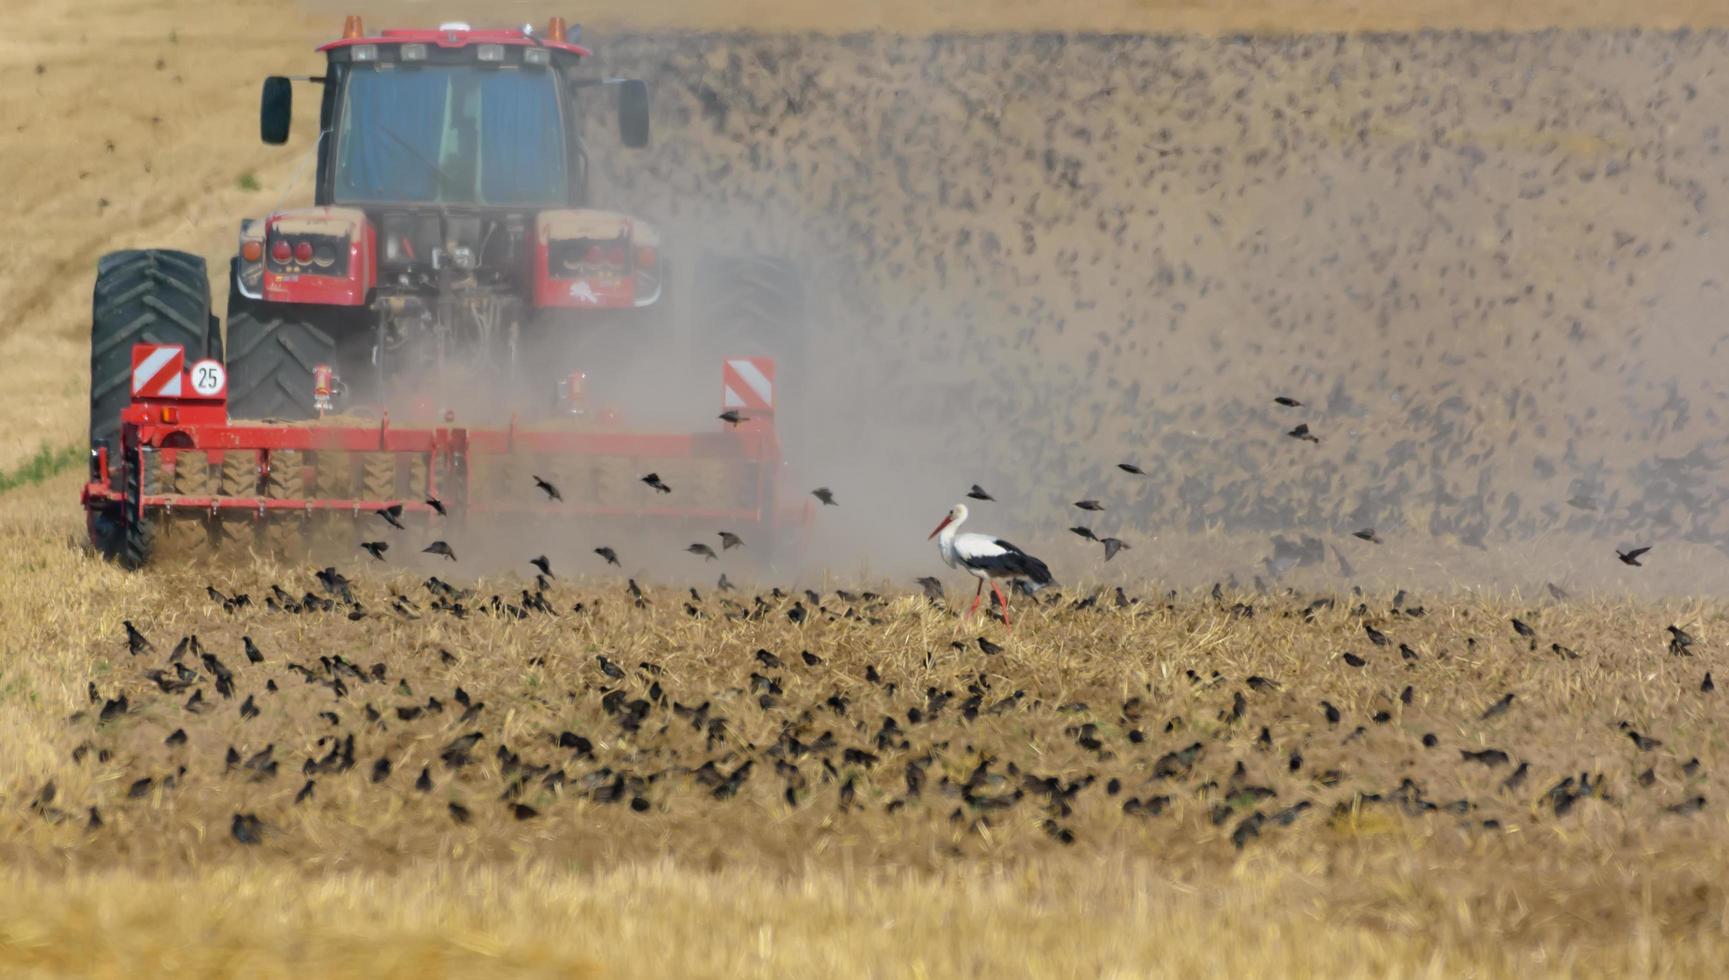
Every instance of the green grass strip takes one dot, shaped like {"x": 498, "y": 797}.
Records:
{"x": 47, "y": 462}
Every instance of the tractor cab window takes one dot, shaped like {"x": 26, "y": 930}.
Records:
{"x": 458, "y": 135}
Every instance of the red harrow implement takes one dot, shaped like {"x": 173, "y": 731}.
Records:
{"x": 184, "y": 469}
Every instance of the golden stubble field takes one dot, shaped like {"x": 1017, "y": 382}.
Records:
{"x": 1345, "y": 848}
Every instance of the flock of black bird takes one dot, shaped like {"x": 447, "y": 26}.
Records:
{"x": 391, "y": 514}
{"x": 1489, "y": 266}
{"x": 945, "y": 737}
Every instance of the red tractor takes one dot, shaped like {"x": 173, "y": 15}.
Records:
{"x": 449, "y": 319}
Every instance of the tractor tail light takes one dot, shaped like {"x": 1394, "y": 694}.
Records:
{"x": 280, "y": 252}
{"x": 303, "y": 252}
{"x": 252, "y": 251}
{"x": 646, "y": 256}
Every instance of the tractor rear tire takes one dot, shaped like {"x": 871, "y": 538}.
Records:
{"x": 754, "y": 306}
{"x": 143, "y": 296}
{"x": 272, "y": 349}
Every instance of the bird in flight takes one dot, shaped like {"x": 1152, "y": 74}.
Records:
{"x": 729, "y": 540}
{"x": 978, "y": 493}
{"x": 1302, "y": 434}
{"x": 731, "y": 417}
{"x": 1632, "y": 557}
{"x": 1367, "y": 534}
{"x": 1287, "y": 402}
{"x": 439, "y": 548}
{"x": 1089, "y": 505}
{"x": 1131, "y": 468}
{"x": 390, "y": 515}
{"x": 544, "y": 565}
{"x": 653, "y": 480}
{"x": 548, "y": 489}
{"x": 437, "y": 505}
{"x": 702, "y": 549}
{"x": 1085, "y": 532}
{"x": 986, "y": 558}
{"x": 610, "y": 555}
{"x": 375, "y": 548}
{"x": 825, "y": 495}
{"x": 1112, "y": 546}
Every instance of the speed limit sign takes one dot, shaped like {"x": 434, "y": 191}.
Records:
{"x": 209, "y": 379}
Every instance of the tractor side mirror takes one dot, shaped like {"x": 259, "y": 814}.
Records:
{"x": 275, "y": 110}
{"x": 633, "y": 113}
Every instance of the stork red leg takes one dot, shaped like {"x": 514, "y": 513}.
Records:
{"x": 1002, "y": 602}
{"x": 978, "y": 594}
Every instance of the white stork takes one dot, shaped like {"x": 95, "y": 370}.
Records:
{"x": 986, "y": 558}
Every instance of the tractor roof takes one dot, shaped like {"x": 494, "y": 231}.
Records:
{"x": 459, "y": 36}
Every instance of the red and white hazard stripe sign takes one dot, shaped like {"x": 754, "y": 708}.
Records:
{"x": 156, "y": 370}
{"x": 748, "y": 382}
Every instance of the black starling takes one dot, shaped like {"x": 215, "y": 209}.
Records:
{"x": 1706, "y": 686}
{"x": 437, "y": 505}
{"x": 1499, "y": 707}
{"x": 376, "y": 548}
{"x": 381, "y": 769}
{"x": 702, "y": 549}
{"x": 1302, "y": 434}
{"x": 722, "y": 584}
{"x": 458, "y": 812}
{"x": 731, "y": 416}
{"x": 439, "y": 548}
{"x": 390, "y": 515}
{"x": 608, "y": 554}
{"x": 988, "y": 647}
{"x": 1112, "y": 546}
{"x": 424, "y": 782}
{"x": 247, "y": 829}
{"x": 1521, "y": 628}
{"x": 1644, "y": 742}
{"x": 1085, "y": 532}
{"x": 1332, "y": 712}
{"x": 1287, "y": 401}
{"x": 1367, "y": 534}
{"x": 544, "y": 566}
{"x": 729, "y": 540}
{"x": 305, "y": 792}
{"x": 932, "y": 586}
{"x": 1131, "y": 468}
{"x": 978, "y": 493}
{"x": 1488, "y": 757}
{"x": 825, "y": 495}
{"x": 1632, "y": 557}
{"x": 548, "y": 489}
{"x": 176, "y": 737}
{"x": 654, "y": 481}
{"x": 1354, "y": 660}
{"x": 1089, "y": 505}
{"x": 136, "y": 642}
{"x": 253, "y": 655}
{"x": 248, "y": 708}
{"x": 1512, "y": 782}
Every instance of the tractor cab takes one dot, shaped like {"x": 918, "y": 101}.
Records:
{"x": 449, "y": 223}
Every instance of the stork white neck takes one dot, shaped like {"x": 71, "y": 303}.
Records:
{"x": 946, "y": 534}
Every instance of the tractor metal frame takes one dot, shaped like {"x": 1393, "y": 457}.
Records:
{"x": 163, "y": 428}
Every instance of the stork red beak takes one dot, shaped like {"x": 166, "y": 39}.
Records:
{"x": 946, "y": 522}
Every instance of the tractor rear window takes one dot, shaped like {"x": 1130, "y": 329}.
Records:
{"x": 463, "y": 135}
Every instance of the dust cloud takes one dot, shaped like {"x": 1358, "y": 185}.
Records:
{"x": 1483, "y": 263}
